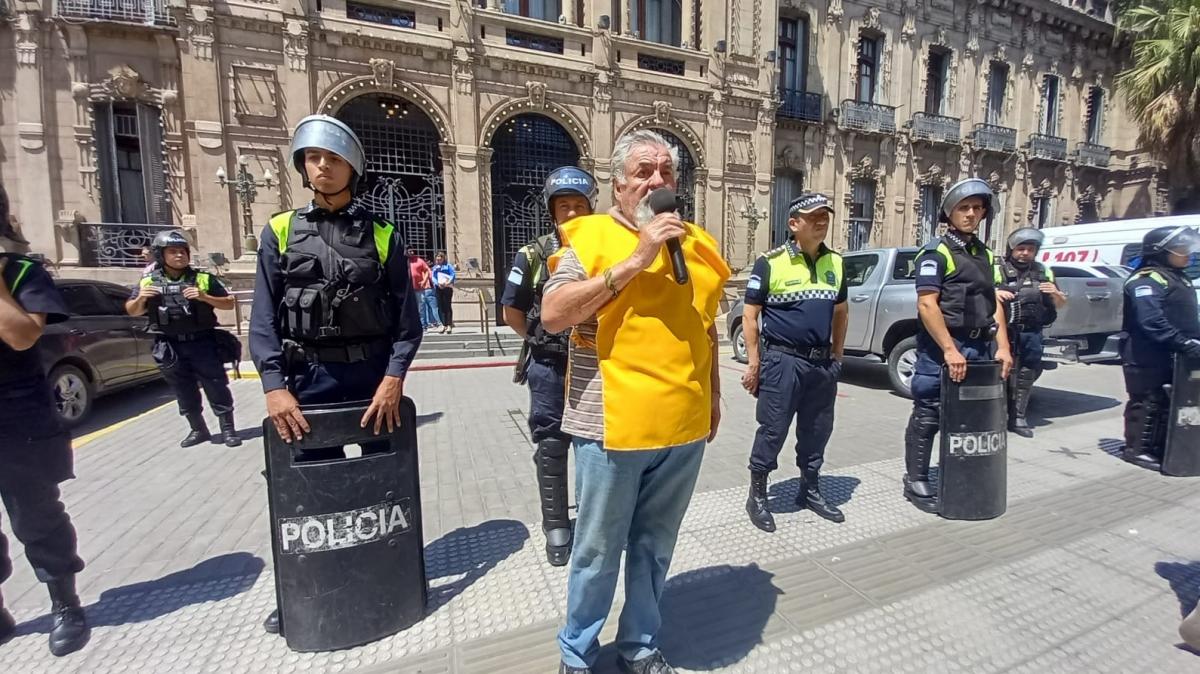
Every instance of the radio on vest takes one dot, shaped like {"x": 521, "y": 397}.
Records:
{"x": 663, "y": 200}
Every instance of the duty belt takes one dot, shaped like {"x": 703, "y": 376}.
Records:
{"x": 972, "y": 333}
{"x": 343, "y": 353}
{"x": 549, "y": 350}
{"x": 188, "y": 337}
{"x": 817, "y": 353}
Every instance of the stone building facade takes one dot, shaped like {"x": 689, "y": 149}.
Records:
{"x": 117, "y": 115}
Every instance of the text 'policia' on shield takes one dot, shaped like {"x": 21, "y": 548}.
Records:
{"x": 336, "y": 531}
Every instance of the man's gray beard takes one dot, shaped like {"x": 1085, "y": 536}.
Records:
{"x": 642, "y": 215}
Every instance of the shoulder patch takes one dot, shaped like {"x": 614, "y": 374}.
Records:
{"x": 754, "y": 283}
{"x": 928, "y": 268}
{"x": 1143, "y": 291}
{"x": 515, "y": 276}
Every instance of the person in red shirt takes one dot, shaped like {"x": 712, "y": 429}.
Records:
{"x": 422, "y": 278}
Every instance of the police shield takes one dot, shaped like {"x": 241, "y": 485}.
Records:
{"x": 346, "y": 533}
{"x": 973, "y": 478}
{"x": 1182, "y": 455}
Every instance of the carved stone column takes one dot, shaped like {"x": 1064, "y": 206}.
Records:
{"x": 31, "y": 202}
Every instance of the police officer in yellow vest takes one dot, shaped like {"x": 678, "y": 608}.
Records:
{"x": 334, "y": 318}
{"x": 179, "y": 301}
{"x": 800, "y": 292}
{"x": 960, "y": 321}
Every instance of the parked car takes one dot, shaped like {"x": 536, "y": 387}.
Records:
{"x": 883, "y": 312}
{"x": 99, "y": 350}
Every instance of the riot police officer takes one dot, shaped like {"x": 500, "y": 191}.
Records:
{"x": 1032, "y": 301}
{"x": 960, "y": 321}
{"x": 800, "y": 290}
{"x": 569, "y": 193}
{"x": 35, "y": 451}
{"x": 180, "y": 303}
{"x": 1160, "y": 322}
{"x": 334, "y": 316}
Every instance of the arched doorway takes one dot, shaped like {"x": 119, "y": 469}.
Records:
{"x": 685, "y": 175}
{"x": 403, "y": 181}
{"x": 525, "y": 149}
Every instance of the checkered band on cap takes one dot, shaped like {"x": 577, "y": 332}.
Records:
{"x": 809, "y": 202}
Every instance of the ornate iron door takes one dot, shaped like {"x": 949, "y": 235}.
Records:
{"x": 526, "y": 148}
{"x": 403, "y": 181}
{"x": 685, "y": 176}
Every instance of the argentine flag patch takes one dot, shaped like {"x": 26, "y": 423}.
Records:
{"x": 928, "y": 268}
{"x": 516, "y": 276}
{"x": 754, "y": 283}
{"x": 1144, "y": 291}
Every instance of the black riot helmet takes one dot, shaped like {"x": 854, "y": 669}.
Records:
{"x": 1171, "y": 239}
{"x": 172, "y": 238}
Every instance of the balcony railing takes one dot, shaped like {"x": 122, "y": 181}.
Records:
{"x": 995, "y": 138}
{"x": 148, "y": 12}
{"x": 1097, "y": 9}
{"x": 936, "y": 128}
{"x": 104, "y": 244}
{"x": 660, "y": 64}
{"x": 552, "y": 45}
{"x": 1052, "y": 148}
{"x": 869, "y": 117}
{"x": 1090, "y": 154}
{"x": 801, "y": 105}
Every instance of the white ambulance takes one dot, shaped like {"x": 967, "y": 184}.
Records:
{"x": 1116, "y": 242}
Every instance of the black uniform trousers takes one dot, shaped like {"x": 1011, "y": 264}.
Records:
{"x": 29, "y": 489}
{"x": 793, "y": 387}
{"x": 1148, "y": 409}
{"x": 315, "y": 382}
{"x": 189, "y": 363}
{"x": 546, "y": 376}
{"x": 1027, "y": 346}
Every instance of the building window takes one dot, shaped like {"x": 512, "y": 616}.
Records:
{"x": 387, "y": 17}
{"x": 129, "y": 151}
{"x": 515, "y": 38}
{"x": 788, "y": 186}
{"x": 862, "y": 213}
{"x": 931, "y": 205}
{"x": 868, "y": 67}
{"x": 546, "y": 10}
{"x": 997, "y": 84}
{"x": 1048, "y": 123}
{"x": 793, "y": 54}
{"x": 1095, "y": 115}
{"x": 1043, "y": 212}
{"x": 1089, "y": 211}
{"x": 936, "y": 72}
{"x": 657, "y": 20}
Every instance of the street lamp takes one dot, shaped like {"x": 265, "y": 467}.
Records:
{"x": 245, "y": 185}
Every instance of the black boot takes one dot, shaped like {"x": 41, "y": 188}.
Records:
{"x": 918, "y": 448}
{"x": 229, "y": 430}
{"x": 810, "y": 497}
{"x": 1144, "y": 424}
{"x": 756, "y": 504}
{"x": 8, "y": 626}
{"x": 70, "y": 630}
{"x": 551, "y": 458}
{"x": 199, "y": 432}
{"x": 1022, "y": 384}
{"x": 271, "y": 624}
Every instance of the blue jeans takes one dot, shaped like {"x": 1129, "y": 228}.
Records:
{"x": 429, "y": 310}
{"x": 633, "y": 501}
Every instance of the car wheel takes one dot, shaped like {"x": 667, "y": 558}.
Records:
{"x": 73, "y": 394}
{"x": 902, "y": 362}
{"x": 739, "y": 345}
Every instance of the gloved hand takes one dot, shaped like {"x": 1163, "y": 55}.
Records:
{"x": 1191, "y": 348}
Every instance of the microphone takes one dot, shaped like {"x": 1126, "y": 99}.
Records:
{"x": 663, "y": 200}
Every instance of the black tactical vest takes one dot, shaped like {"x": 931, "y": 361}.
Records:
{"x": 335, "y": 284}
{"x": 171, "y": 313}
{"x": 1031, "y": 309}
{"x": 539, "y": 340}
{"x": 968, "y": 295}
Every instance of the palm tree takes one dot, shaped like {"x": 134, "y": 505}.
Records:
{"x": 1162, "y": 86}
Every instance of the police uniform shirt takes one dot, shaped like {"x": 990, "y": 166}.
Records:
{"x": 266, "y": 345}
{"x": 797, "y": 307}
{"x": 931, "y": 267}
{"x": 519, "y": 286}
{"x": 26, "y": 399}
{"x": 1160, "y": 314}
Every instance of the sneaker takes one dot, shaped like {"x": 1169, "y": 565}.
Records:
{"x": 651, "y": 664}
{"x": 564, "y": 668}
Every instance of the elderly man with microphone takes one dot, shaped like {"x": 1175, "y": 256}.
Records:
{"x": 639, "y": 288}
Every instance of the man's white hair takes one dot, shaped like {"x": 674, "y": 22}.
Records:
{"x": 625, "y": 144}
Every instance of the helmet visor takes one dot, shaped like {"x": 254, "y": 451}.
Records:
{"x": 1183, "y": 241}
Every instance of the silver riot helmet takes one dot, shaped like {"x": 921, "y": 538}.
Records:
{"x": 1026, "y": 235}
{"x": 330, "y": 134}
{"x": 963, "y": 189}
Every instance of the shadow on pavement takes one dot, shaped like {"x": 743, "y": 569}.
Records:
{"x": 468, "y": 554}
{"x": 713, "y": 617}
{"x": 212, "y": 580}
{"x": 128, "y": 403}
{"x": 837, "y": 490}
{"x": 866, "y": 373}
{"x": 1048, "y": 403}
{"x": 431, "y": 418}
{"x": 1113, "y": 447}
{"x": 1184, "y": 578}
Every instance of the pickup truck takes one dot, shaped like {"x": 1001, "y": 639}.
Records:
{"x": 883, "y": 312}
